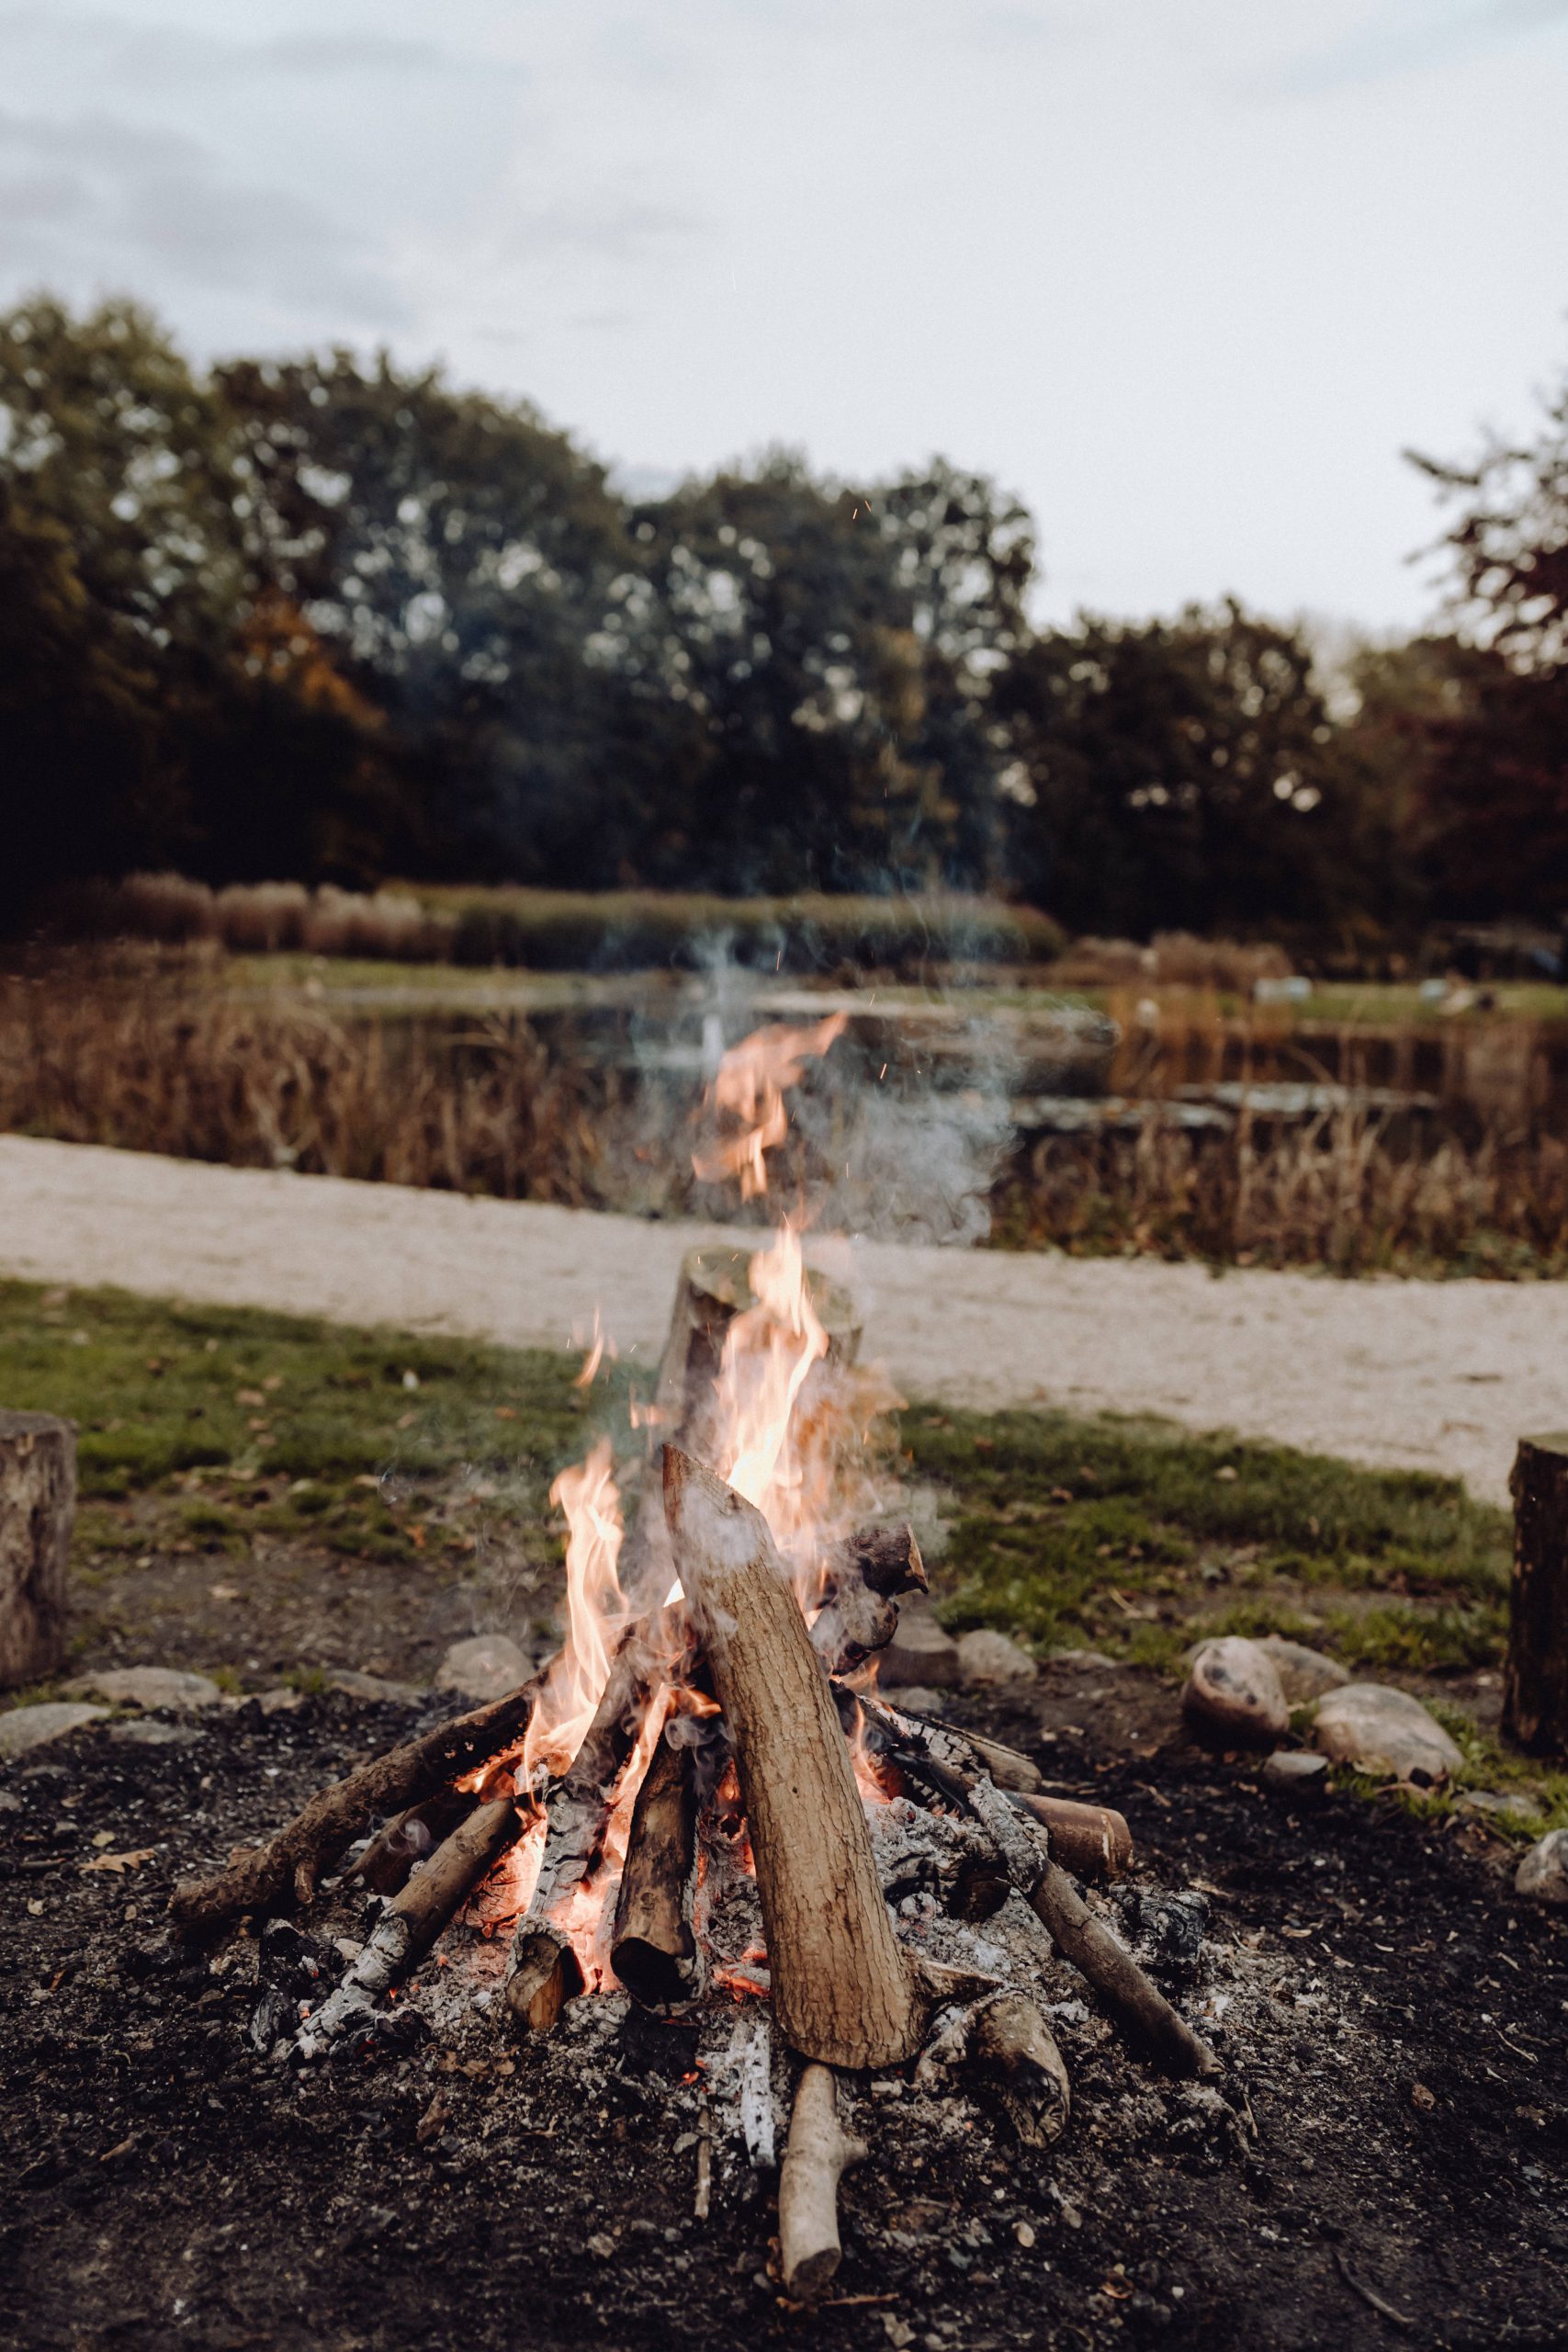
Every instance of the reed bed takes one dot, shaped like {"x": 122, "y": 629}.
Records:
{"x": 509, "y": 1106}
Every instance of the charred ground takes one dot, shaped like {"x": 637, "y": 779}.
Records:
{"x": 1394, "y": 2122}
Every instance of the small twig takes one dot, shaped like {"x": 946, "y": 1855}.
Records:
{"x": 1368, "y": 2295}
{"x": 704, "y": 2198}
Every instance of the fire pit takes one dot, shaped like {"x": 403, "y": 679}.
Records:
{"x": 702, "y": 1804}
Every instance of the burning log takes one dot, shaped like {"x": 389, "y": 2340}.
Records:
{"x": 713, "y": 1288}
{"x": 819, "y": 2153}
{"x": 1142, "y": 2014}
{"x": 1013, "y": 2042}
{"x": 411, "y": 1923}
{"x": 653, "y": 1952}
{"x": 312, "y": 1843}
{"x": 1007, "y": 1768}
{"x": 543, "y": 1973}
{"x": 844, "y": 1991}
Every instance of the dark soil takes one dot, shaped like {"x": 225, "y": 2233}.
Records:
{"x": 1393, "y": 2126}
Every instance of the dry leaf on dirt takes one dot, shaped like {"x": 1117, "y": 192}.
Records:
{"x": 120, "y": 1863}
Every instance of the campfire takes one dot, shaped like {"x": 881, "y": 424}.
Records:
{"x": 702, "y": 1802}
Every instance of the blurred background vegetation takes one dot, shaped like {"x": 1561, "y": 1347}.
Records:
{"x": 325, "y": 620}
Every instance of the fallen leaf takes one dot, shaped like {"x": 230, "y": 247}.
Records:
{"x": 102, "y": 1838}
{"x": 249, "y": 1396}
{"x": 120, "y": 1863}
{"x": 1422, "y": 2097}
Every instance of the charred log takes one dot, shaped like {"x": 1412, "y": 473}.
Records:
{"x": 313, "y": 1840}
{"x": 948, "y": 1766}
{"x": 411, "y": 1923}
{"x": 653, "y": 1952}
{"x": 407, "y": 1839}
{"x": 862, "y": 1582}
{"x": 1012, "y": 2041}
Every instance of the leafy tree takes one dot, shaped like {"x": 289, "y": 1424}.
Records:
{"x": 458, "y": 559}
{"x": 1171, "y": 774}
{"x": 1496, "y": 792}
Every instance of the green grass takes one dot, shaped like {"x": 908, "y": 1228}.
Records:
{"x": 1132, "y": 1536}
{"x": 244, "y": 1422}
{"x": 202, "y": 1426}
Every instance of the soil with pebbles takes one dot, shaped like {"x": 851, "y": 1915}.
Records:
{"x": 1391, "y": 2130}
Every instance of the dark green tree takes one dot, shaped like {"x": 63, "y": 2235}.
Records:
{"x": 1171, "y": 775}
{"x": 1495, "y": 820}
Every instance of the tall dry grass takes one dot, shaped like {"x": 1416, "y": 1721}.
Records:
{"x": 501, "y": 1105}
{"x": 484, "y": 1108}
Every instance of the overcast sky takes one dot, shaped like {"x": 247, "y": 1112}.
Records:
{"x": 1187, "y": 273}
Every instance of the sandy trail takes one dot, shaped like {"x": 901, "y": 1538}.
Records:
{"x": 1432, "y": 1375}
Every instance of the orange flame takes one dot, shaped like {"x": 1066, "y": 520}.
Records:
{"x": 752, "y": 1080}
{"x": 596, "y": 1613}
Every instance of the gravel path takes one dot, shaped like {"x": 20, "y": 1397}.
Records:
{"x": 1435, "y": 1375}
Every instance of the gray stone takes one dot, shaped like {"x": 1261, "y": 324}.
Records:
{"x": 25, "y": 1727}
{"x": 1304, "y": 1673}
{"x": 1493, "y": 1807}
{"x": 917, "y": 1701}
{"x": 1233, "y": 1694}
{"x": 1542, "y": 1876}
{"x": 355, "y": 1685}
{"x": 487, "y": 1666}
{"x": 143, "y": 1732}
{"x": 147, "y": 1686}
{"x": 987, "y": 1656}
{"x": 1295, "y": 1769}
{"x": 922, "y": 1655}
{"x": 1384, "y": 1731}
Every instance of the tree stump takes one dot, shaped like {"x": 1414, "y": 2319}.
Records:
{"x": 1535, "y": 1698}
{"x": 38, "y": 1505}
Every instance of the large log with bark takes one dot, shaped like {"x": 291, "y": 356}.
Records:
{"x": 38, "y": 1506}
{"x": 845, "y": 1992}
{"x": 306, "y": 1850}
{"x": 1534, "y": 1693}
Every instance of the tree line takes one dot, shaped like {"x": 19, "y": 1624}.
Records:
{"x": 330, "y": 619}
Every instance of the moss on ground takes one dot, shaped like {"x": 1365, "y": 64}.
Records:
{"x": 1134, "y": 1536}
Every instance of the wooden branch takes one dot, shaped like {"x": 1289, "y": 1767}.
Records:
{"x": 313, "y": 1841}
{"x": 545, "y": 1976}
{"x": 819, "y": 2153}
{"x": 1013, "y": 2042}
{"x": 863, "y": 1576}
{"x": 37, "y": 1509}
{"x": 844, "y": 1990}
{"x": 1140, "y": 2012}
{"x": 1090, "y": 1840}
{"x": 1535, "y": 1692}
{"x": 411, "y": 1923}
{"x": 407, "y": 1839}
{"x": 653, "y": 1952}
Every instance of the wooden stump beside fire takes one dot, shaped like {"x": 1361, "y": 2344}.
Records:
{"x": 727, "y": 1714}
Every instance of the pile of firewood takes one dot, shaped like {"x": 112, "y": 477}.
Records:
{"x": 791, "y": 1709}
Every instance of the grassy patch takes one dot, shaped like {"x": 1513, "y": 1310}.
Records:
{"x": 1136, "y": 1537}
{"x": 219, "y": 1423}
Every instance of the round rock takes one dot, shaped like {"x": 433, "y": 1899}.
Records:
{"x": 25, "y": 1727}
{"x": 1304, "y": 1673}
{"x": 148, "y": 1687}
{"x": 1542, "y": 1876}
{"x": 988, "y": 1656}
{"x": 1233, "y": 1696}
{"x": 1295, "y": 1770}
{"x": 487, "y": 1666}
{"x": 1386, "y": 1731}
